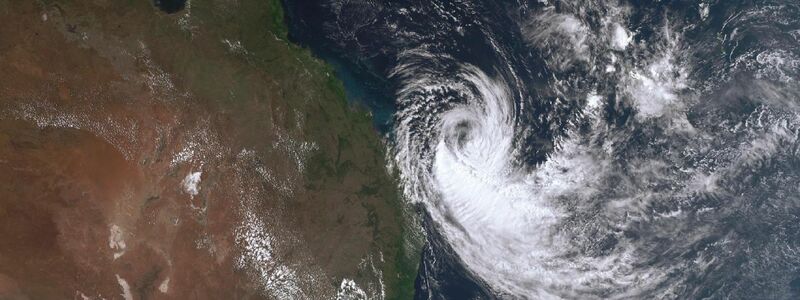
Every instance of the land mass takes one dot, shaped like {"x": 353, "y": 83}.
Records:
{"x": 188, "y": 155}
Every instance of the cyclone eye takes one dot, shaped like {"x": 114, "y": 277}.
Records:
{"x": 462, "y": 132}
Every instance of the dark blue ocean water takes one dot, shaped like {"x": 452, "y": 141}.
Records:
{"x": 753, "y": 214}
{"x": 363, "y": 69}
{"x": 365, "y": 85}
{"x": 170, "y": 6}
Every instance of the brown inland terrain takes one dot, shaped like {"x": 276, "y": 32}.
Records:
{"x": 195, "y": 155}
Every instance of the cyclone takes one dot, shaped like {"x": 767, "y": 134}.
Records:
{"x": 596, "y": 149}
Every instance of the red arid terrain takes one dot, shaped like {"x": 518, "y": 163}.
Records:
{"x": 194, "y": 155}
